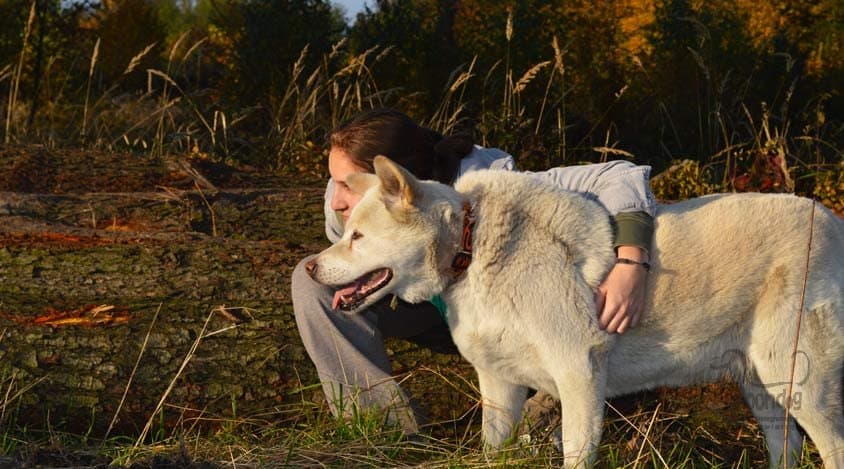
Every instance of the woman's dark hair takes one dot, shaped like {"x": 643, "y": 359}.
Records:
{"x": 424, "y": 152}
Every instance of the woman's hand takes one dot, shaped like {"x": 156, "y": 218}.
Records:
{"x": 620, "y": 299}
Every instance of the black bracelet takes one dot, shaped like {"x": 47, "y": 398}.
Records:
{"x": 622, "y": 260}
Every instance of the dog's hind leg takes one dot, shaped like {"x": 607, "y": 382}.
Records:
{"x": 796, "y": 348}
{"x": 816, "y": 399}
{"x": 771, "y": 418}
{"x": 502, "y": 403}
{"x": 817, "y": 408}
{"x": 823, "y": 421}
{"x": 820, "y": 409}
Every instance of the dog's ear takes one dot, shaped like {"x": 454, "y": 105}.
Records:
{"x": 359, "y": 183}
{"x": 399, "y": 188}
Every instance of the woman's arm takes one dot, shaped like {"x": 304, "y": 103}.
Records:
{"x": 623, "y": 188}
{"x": 620, "y": 185}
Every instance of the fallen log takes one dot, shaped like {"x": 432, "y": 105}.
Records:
{"x": 103, "y": 295}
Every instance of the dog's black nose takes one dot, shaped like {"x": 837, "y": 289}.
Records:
{"x": 311, "y": 267}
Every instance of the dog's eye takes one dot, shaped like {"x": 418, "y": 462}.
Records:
{"x": 356, "y": 235}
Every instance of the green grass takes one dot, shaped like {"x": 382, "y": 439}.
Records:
{"x": 650, "y": 434}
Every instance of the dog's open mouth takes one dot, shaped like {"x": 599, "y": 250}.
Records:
{"x": 352, "y": 295}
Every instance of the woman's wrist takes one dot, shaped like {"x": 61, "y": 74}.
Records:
{"x": 634, "y": 253}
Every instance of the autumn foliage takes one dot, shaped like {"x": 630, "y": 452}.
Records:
{"x": 261, "y": 81}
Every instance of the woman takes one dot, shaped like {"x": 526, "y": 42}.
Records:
{"x": 348, "y": 350}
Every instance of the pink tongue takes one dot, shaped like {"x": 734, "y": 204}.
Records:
{"x": 343, "y": 292}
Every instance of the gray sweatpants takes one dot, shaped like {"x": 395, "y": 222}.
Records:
{"x": 348, "y": 349}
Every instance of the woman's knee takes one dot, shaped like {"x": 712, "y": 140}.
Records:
{"x": 300, "y": 280}
{"x": 305, "y": 292}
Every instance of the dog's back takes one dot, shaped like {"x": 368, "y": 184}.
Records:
{"x": 728, "y": 273}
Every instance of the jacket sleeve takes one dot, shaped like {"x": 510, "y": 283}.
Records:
{"x": 620, "y": 185}
{"x": 333, "y": 226}
{"x": 623, "y": 188}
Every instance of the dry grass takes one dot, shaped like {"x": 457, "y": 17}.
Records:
{"x": 304, "y": 434}
{"x": 648, "y": 431}
{"x": 524, "y": 111}
{"x": 16, "y": 76}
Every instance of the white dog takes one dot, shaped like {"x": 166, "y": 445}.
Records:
{"x": 517, "y": 262}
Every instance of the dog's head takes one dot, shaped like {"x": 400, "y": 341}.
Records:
{"x": 390, "y": 240}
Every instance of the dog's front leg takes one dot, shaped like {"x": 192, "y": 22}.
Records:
{"x": 502, "y": 407}
{"x": 582, "y": 391}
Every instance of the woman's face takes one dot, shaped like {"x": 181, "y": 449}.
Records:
{"x": 340, "y": 166}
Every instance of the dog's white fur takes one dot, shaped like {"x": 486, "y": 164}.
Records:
{"x": 724, "y": 297}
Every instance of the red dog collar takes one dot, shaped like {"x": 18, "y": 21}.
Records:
{"x": 463, "y": 257}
